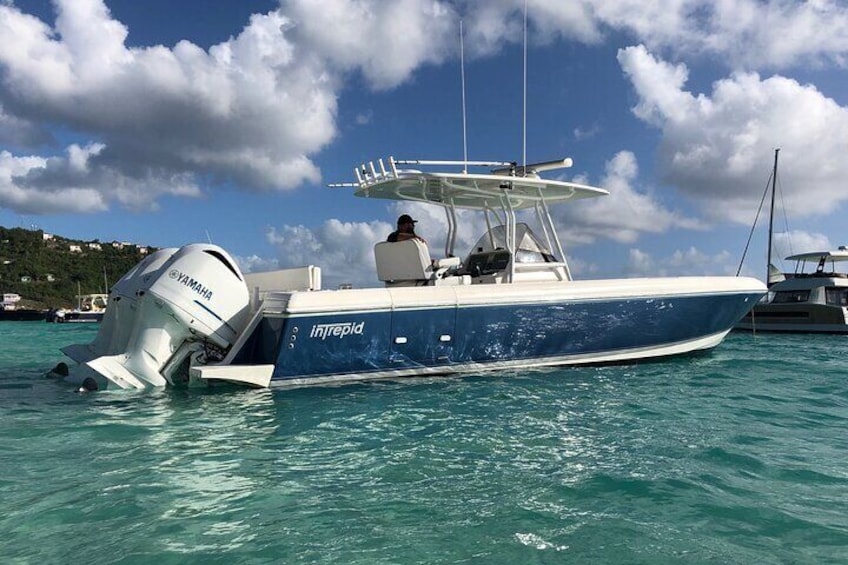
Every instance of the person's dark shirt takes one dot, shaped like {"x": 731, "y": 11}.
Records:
{"x": 395, "y": 236}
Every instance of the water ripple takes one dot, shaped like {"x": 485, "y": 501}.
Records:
{"x": 728, "y": 457}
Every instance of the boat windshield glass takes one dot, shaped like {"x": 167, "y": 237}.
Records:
{"x": 791, "y": 296}
{"x": 529, "y": 248}
{"x": 836, "y": 296}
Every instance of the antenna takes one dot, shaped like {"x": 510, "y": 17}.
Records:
{"x": 208, "y": 237}
{"x": 524, "y": 129}
{"x": 462, "y": 74}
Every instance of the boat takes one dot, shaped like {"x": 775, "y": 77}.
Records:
{"x": 90, "y": 309}
{"x": 189, "y": 316}
{"x": 813, "y": 298}
{"x": 11, "y": 312}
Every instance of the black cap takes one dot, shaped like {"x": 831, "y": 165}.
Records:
{"x": 406, "y": 219}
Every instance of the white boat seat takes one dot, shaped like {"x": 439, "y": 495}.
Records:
{"x": 409, "y": 262}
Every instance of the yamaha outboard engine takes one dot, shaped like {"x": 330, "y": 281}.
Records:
{"x": 117, "y": 322}
{"x": 172, "y": 310}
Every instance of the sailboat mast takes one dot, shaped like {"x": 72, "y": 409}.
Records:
{"x": 771, "y": 217}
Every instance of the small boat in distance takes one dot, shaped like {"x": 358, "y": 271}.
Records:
{"x": 11, "y": 312}
{"x": 811, "y": 299}
{"x": 189, "y": 315}
{"x": 90, "y": 309}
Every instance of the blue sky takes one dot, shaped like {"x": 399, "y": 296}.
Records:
{"x": 164, "y": 123}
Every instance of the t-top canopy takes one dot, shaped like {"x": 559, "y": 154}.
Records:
{"x": 466, "y": 190}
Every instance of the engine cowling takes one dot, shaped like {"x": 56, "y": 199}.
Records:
{"x": 173, "y": 305}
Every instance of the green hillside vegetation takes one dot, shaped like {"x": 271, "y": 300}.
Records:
{"x": 46, "y": 272}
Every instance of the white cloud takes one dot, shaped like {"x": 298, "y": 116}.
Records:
{"x": 251, "y": 110}
{"x": 581, "y": 133}
{"x": 489, "y": 25}
{"x": 343, "y": 250}
{"x": 687, "y": 262}
{"x": 582, "y": 268}
{"x": 778, "y": 34}
{"x": 386, "y": 41}
{"x": 74, "y": 195}
{"x": 247, "y": 110}
{"x": 17, "y": 131}
{"x": 364, "y": 118}
{"x": 256, "y": 264}
{"x": 744, "y": 34}
{"x": 624, "y": 214}
{"x": 796, "y": 241}
{"x": 255, "y": 109}
{"x": 718, "y": 148}
{"x": 641, "y": 264}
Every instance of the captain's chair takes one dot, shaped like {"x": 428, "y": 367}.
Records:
{"x": 407, "y": 263}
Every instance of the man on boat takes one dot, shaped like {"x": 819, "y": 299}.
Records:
{"x": 405, "y": 230}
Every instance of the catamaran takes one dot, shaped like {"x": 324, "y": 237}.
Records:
{"x": 812, "y": 298}
{"x": 189, "y": 316}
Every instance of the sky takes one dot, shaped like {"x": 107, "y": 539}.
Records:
{"x": 165, "y": 123}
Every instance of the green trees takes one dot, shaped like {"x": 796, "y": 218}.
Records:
{"x": 46, "y": 270}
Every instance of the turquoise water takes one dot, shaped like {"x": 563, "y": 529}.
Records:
{"x": 738, "y": 456}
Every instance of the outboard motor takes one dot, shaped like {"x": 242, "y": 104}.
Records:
{"x": 173, "y": 309}
{"x": 117, "y": 321}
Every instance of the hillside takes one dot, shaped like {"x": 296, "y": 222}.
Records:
{"x": 45, "y": 269}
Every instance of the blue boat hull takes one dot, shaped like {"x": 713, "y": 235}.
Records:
{"x": 439, "y": 340}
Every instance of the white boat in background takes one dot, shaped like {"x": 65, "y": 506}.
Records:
{"x": 189, "y": 316}
{"x": 11, "y": 312}
{"x": 91, "y": 308}
{"x": 812, "y": 299}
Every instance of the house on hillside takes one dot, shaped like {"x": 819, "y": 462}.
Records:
{"x": 95, "y": 245}
{"x": 46, "y": 236}
{"x": 26, "y": 279}
{"x": 75, "y": 248}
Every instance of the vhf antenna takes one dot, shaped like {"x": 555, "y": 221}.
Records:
{"x": 524, "y": 129}
{"x": 462, "y": 74}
